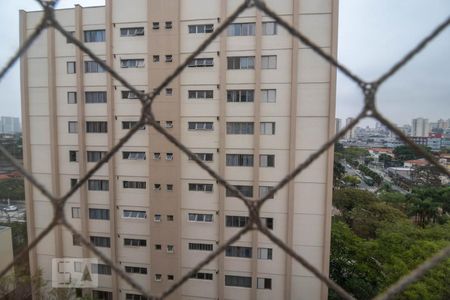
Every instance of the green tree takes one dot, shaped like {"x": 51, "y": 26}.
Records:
{"x": 404, "y": 152}
{"x": 426, "y": 176}
{"x": 12, "y": 189}
{"x": 338, "y": 173}
{"x": 365, "y": 221}
{"x": 352, "y": 181}
{"x": 351, "y": 265}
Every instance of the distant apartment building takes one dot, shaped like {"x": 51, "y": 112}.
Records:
{"x": 9, "y": 125}
{"x": 442, "y": 124}
{"x": 338, "y": 125}
{"x": 420, "y": 127}
{"x": 350, "y": 134}
{"x": 253, "y": 106}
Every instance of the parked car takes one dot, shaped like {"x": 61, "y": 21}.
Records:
{"x": 10, "y": 208}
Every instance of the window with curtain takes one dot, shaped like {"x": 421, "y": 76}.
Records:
{"x": 94, "y": 36}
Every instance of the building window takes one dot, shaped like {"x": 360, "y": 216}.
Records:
{"x": 200, "y": 125}
{"x": 102, "y": 295}
{"x": 93, "y": 67}
{"x": 203, "y": 28}
{"x": 135, "y": 270}
{"x": 132, "y": 63}
{"x": 237, "y": 251}
{"x": 269, "y": 28}
{"x": 71, "y": 97}
{"x": 239, "y": 281}
{"x": 158, "y": 247}
{"x": 98, "y": 214}
{"x": 240, "y": 62}
{"x": 169, "y": 156}
{"x": 240, "y": 95}
{"x": 264, "y": 191}
{"x": 95, "y": 97}
{"x": 169, "y": 91}
{"x": 201, "y": 62}
{"x": 155, "y": 25}
{"x": 246, "y": 190}
{"x": 169, "y": 124}
{"x": 202, "y": 276}
{"x": 133, "y": 155}
{"x": 158, "y": 277}
{"x": 240, "y": 128}
{"x": 101, "y": 269}
{"x": 134, "y": 214}
{"x": 169, "y": 187}
{"x": 76, "y": 240}
{"x": 98, "y": 185}
{"x": 95, "y": 156}
{"x": 200, "y": 187}
{"x": 132, "y": 31}
{"x": 72, "y": 34}
{"x": 239, "y": 160}
{"x": 157, "y": 218}
{"x": 265, "y": 253}
{"x": 131, "y": 95}
{"x": 170, "y": 248}
{"x": 71, "y": 67}
{"x": 73, "y": 156}
{"x": 131, "y": 124}
{"x": 203, "y": 156}
{"x": 269, "y": 96}
{"x": 76, "y": 213}
{"x": 129, "y": 296}
{"x": 155, "y": 58}
{"x": 194, "y": 217}
{"x": 264, "y": 283}
{"x": 157, "y": 187}
{"x": 236, "y": 221}
{"x": 168, "y": 24}
{"x": 169, "y": 58}
{"x": 101, "y": 241}
{"x": 73, "y": 126}
{"x": 156, "y": 156}
{"x": 134, "y": 184}
{"x": 267, "y": 160}
{"x": 73, "y": 182}
{"x": 200, "y": 247}
{"x": 77, "y": 266}
{"x": 200, "y": 94}
{"x": 96, "y": 126}
{"x": 267, "y": 128}
{"x": 241, "y": 29}
{"x": 93, "y": 36}
{"x": 170, "y": 277}
{"x": 170, "y": 218}
{"x": 268, "y": 222}
{"x": 269, "y": 62}
{"x": 135, "y": 242}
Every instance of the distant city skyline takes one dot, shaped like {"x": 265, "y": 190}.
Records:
{"x": 366, "y": 30}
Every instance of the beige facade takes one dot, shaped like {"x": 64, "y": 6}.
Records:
{"x": 253, "y": 105}
{"x": 6, "y": 256}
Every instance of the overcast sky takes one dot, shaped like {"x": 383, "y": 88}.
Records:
{"x": 373, "y": 35}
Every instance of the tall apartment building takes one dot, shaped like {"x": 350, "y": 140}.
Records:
{"x": 253, "y": 106}
{"x": 338, "y": 126}
{"x": 420, "y": 127}
{"x": 9, "y": 125}
{"x": 350, "y": 134}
